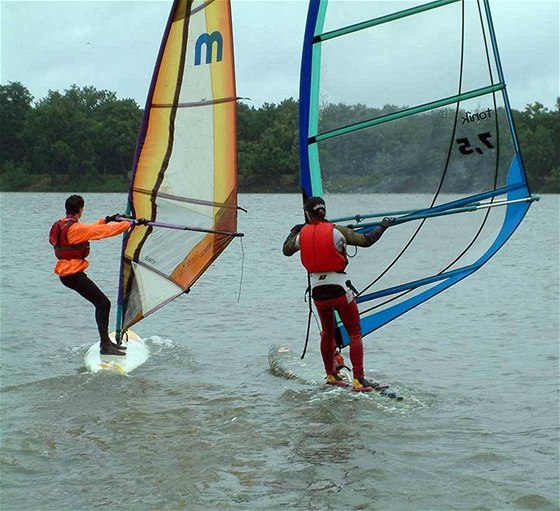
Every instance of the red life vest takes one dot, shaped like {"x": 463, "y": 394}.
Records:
{"x": 317, "y": 249}
{"x": 58, "y": 238}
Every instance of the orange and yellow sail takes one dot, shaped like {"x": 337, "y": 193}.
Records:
{"x": 185, "y": 170}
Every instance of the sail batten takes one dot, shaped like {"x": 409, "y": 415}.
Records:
{"x": 191, "y": 200}
{"x": 407, "y": 112}
{"x": 379, "y": 21}
{"x": 398, "y": 117}
{"x": 416, "y": 284}
{"x": 194, "y": 104}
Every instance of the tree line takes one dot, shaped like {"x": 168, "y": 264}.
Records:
{"x": 84, "y": 140}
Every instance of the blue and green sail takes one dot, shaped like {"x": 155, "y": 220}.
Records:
{"x": 404, "y": 112}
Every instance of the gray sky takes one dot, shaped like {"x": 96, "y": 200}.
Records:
{"x": 113, "y": 45}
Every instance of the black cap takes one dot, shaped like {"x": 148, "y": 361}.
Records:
{"x": 314, "y": 204}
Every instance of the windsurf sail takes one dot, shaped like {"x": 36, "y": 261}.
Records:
{"x": 184, "y": 178}
{"x": 404, "y": 113}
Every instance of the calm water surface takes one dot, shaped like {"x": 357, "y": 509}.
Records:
{"x": 204, "y": 425}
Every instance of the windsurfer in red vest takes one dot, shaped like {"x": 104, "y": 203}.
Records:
{"x": 322, "y": 247}
{"x": 70, "y": 239}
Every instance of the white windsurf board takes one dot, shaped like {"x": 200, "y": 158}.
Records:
{"x": 137, "y": 353}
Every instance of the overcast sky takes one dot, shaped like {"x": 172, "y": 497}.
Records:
{"x": 49, "y": 45}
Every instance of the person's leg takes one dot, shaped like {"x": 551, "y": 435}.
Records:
{"x": 80, "y": 283}
{"x": 351, "y": 318}
{"x": 328, "y": 344}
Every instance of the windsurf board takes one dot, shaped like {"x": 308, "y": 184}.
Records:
{"x": 137, "y": 353}
{"x": 285, "y": 363}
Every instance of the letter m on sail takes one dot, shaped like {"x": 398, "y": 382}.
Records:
{"x": 208, "y": 41}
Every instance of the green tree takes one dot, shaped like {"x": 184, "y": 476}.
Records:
{"x": 80, "y": 136}
{"x": 268, "y": 146}
{"x": 14, "y": 178}
{"x": 539, "y": 132}
{"x": 15, "y": 105}
{"x": 118, "y": 123}
{"x": 59, "y": 134}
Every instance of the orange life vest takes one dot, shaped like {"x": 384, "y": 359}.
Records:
{"x": 58, "y": 238}
{"x": 317, "y": 249}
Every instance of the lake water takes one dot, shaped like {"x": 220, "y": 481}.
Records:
{"x": 204, "y": 425}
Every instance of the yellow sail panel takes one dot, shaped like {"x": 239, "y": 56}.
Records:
{"x": 186, "y": 168}
{"x": 160, "y": 109}
{"x": 223, "y": 85}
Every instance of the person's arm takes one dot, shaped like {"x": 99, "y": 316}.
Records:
{"x": 80, "y": 233}
{"x": 291, "y": 243}
{"x": 365, "y": 240}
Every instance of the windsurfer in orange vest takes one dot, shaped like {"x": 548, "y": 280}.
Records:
{"x": 322, "y": 247}
{"x": 70, "y": 239}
